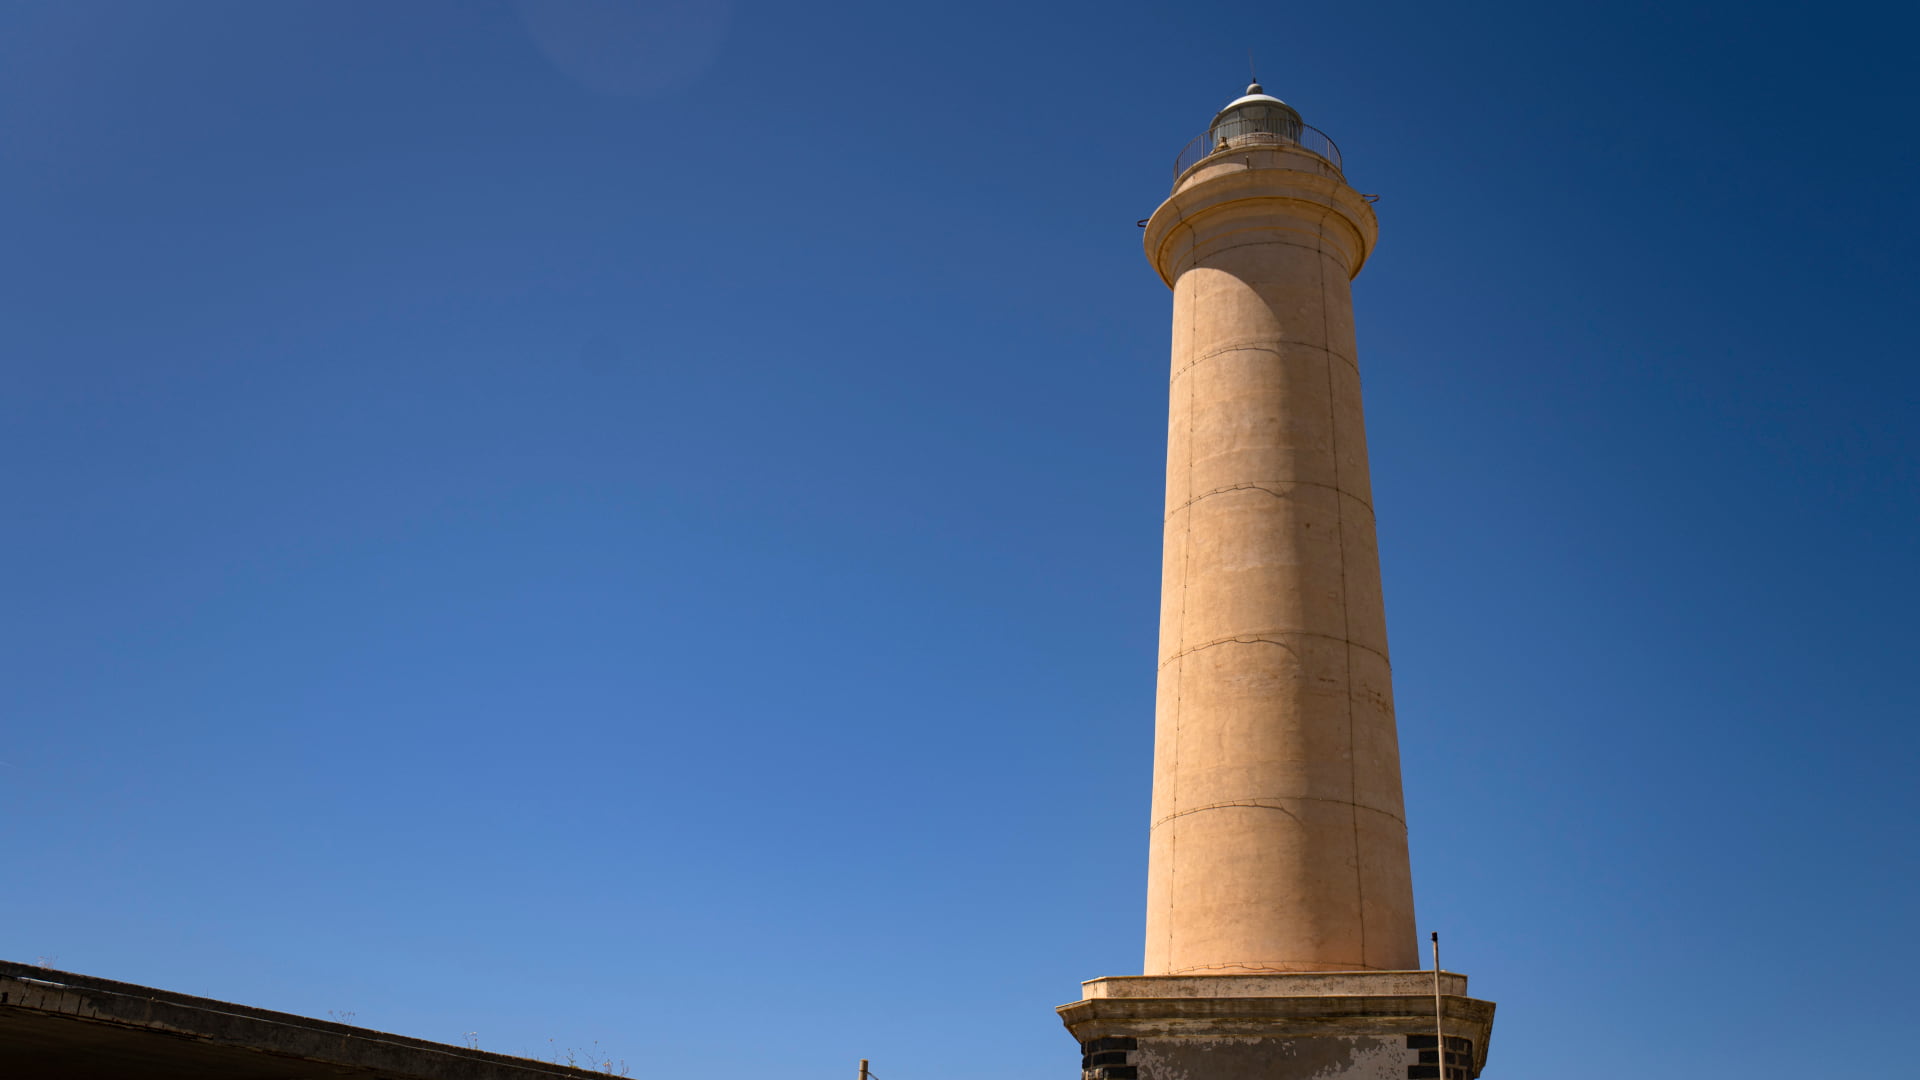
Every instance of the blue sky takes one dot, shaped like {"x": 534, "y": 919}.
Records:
{"x": 638, "y": 522}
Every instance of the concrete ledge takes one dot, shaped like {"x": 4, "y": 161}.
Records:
{"x": 1276, "y": 984}
{"x": 1298, "y": 1018}
{"x": 1269, "y": 178}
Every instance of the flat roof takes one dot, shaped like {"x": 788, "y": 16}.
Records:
{"x": 78, "y": 1027}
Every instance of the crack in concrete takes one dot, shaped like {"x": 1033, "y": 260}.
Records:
{"x": 1268, "y": 804}
{"x": 1257, "y": 639}
{"x": 1346, "y": 596}
{"x": 1275, "y": 353}
{"x": 1260, "y": 485}
{"x": 1318, "y": 247}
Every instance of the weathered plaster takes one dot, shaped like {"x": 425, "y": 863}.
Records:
{"x": 1278, "y": 834}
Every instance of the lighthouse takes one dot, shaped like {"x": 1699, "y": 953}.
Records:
{"x": 1280, "y": 932}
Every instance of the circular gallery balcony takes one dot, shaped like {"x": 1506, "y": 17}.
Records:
{"x": 1256, "y": 121}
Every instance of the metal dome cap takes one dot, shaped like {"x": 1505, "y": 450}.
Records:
{"x": 1254, "y": 117}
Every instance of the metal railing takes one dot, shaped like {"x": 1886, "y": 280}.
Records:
{"x": 1232, "y": 134}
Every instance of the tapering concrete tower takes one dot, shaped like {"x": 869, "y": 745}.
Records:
{"x": 1279, "y": 840}
{"x": 1280, "y": 930}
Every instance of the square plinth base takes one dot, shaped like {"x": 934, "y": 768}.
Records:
{"x": 1359, "y": 1025}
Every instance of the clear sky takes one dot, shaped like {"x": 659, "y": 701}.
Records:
{"x": 638, "y": 521}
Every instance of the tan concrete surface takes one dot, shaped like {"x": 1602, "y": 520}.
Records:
{"x": 1278, "y": 832}
{"x": 1295, "y": 984}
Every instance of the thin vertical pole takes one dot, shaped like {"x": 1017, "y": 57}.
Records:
{"x": 1439, "y": 1029}
{"x": 863, "y": 1069}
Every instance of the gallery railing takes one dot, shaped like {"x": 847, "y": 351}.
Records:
{"x": 1233, "y": 134}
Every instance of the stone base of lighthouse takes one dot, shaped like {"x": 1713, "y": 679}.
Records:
{"x": 1361, "y": 1025}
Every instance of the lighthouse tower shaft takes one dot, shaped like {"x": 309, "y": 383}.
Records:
{"x": 1279, "y": 839}
{"x": 1280, "y": 936}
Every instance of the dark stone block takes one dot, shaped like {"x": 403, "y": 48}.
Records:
{"x": 1423, "y": 1072}
{"x": 1108, "y": 1057}
{"x": 1459, "y": 1050}
{"x": 1118, "y": 1072}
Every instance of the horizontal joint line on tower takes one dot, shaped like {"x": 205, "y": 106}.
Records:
{"x": 1258, "y": 804}
{"x": 1260, "y": 485}
{"x": 1342, "y": 968}
{"x": 1318, "y": 249}
{"x": 1225, "y": 349}
{"x": 1221, "y": 241}
{"x": 1254, "y": 639}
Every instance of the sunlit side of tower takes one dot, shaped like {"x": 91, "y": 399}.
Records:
{"x": 1278, "y": 832}
{"x": 1281, "y": 939}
